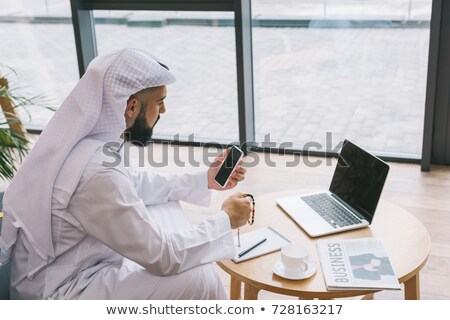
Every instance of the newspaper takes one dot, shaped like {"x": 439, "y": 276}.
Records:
{"x": 356, "y": 264}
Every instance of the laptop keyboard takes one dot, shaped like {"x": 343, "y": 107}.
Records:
{"x": 332, "y": 212}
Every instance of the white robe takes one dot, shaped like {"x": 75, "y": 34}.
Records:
{"x": 124, "y": 236}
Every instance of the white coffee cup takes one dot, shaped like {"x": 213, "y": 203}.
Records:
{"x": 295, "y": 258}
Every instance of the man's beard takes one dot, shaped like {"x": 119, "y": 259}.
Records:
{"x": 140, "y": 133}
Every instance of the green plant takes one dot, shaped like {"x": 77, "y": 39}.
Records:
{"x": 14, "y": 140}
{"x": 13, "y": 147}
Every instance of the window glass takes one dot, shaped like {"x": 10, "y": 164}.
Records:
{"x": 38, "y": 44}
{"x": 199, "y": 48}
{"x": 357, "y": 69}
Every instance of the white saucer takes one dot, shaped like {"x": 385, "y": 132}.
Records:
{"x": 279, "y": 270}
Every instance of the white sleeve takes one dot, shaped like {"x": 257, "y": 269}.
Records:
{"x": 157, "y": 188}
{"x": 109, "y": 209}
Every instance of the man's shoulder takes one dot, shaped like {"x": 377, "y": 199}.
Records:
{"x": 103, "y": 165}
{"x": 80, "y": 166}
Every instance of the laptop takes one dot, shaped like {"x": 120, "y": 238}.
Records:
{"x": 351, "y": 200}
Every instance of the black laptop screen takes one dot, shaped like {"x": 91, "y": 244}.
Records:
{"x": 359, "y": 179}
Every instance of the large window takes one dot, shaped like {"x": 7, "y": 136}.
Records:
{"x": 202, "y": 56}
{"x": 357, "y": 69}
{"x": 37, "y": 41}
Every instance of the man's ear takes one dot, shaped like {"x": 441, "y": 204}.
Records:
{"x": 132, "y": 108}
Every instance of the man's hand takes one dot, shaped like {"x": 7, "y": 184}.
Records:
{"x": 237, "y": 175}
{"x": 238, "y": 209}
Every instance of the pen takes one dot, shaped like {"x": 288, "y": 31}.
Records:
{"x": 239, "y": 239}
{"x": 251, "y": 248}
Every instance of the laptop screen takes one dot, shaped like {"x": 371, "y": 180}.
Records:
{"x": 359, "y": 179}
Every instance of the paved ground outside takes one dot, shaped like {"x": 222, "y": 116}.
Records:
{"x": 364, "y": 84}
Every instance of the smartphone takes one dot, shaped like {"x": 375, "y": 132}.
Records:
{"x": 226, "y": 169}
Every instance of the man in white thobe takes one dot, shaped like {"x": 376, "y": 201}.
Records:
{"x": 77, "y": 227}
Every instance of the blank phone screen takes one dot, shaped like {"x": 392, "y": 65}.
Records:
{"x": 228, "y": 165}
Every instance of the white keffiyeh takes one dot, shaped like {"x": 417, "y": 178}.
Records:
{"x": 92, "y": 115}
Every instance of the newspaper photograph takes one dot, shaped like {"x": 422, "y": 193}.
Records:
{"x": 357, "y": 264}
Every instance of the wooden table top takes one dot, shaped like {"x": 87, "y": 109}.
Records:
{"x": 405, "y": 238}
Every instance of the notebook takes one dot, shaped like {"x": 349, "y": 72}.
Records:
{"x": 275, "y": 241}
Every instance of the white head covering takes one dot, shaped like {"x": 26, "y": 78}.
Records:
{"x": 92, "y": 114}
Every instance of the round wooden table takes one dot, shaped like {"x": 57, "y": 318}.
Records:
{"x": 405, "y": 238}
